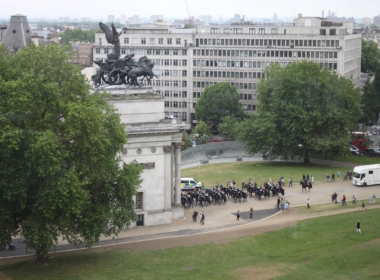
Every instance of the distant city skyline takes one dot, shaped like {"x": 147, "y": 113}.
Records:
{"x": 97, "y": 9}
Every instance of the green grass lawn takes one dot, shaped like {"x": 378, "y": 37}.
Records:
{"x": 360, "y": 160}
{"x": 259, "y": 172}
{"x": 302, "y": 210}
{"x": 320, "y": 248}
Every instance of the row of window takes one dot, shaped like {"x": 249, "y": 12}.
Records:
{"x": 244, "y": 96}
{"x": 237, "y": 85}
{"x": 143, "y": 51}
{"x": 233, "y": 75}
{"x": 266, "y": 53}
{"x": 175, "y": 104}
{"x": 170, "y": 62}
{"x": 152, "y": 41}
{"x": 261, "y": 31}
{"x": 168, "y": 93}
{"x": 268, "y": 42}
{"x": 170, "y": 73}
{"x": 176, "y": 115}
{"x": 166, "y": 83}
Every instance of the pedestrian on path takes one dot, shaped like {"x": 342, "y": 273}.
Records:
{"x": 278, "y": 203}
{"x": 238, "y": 216}
{"x": 251, "y": 212}
{"x": 195, "y": 216}
{"x": 283, "y": 204}
{"x": 374, "y": 198}
{"x": 345, "y": 177}
{"x": 203, "y": 219}
{"x": 358, "y": 227}
{"x": 338, "y": 174}
{"x": 200, "y": 217}
{"x": 308, "y": 203}
{"x": 287, "y": 207}
{"x": 290, "y": 182}
{"x": 350, "y": 175}
{"x": 363, "y": 205}
{"x": 333, "y": 177}
{"x": 353, "y": 199}
{"x": 344, "y": 201}
{"x": 327, "y": 178}
{"x": 312, "y": 179}
{"x": 370, "y": 198}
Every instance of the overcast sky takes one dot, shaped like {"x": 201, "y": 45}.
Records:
{"x": 100, "y": 9}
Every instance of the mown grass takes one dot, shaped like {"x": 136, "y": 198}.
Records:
{"x": 259, "y": 172}
{"x": 320, "y": 248}
{"x": 302, "y": 210}
{"x": 360, "y": 160}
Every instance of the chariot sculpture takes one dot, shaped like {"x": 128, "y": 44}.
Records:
{"x": 119, "y": 71}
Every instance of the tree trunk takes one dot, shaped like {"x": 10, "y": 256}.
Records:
{"x": 306, "y": 160}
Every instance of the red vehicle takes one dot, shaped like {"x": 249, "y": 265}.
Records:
{"x": 359, "y": 140}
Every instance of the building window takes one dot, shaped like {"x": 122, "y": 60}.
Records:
{"x": 134, "y": 41}
{"x": 322, "y": 32}
{"x": 226, "y": 31}
{"x": 214, "y": 30}
{"x": 274, "y": 31}
{"x": 126, "y": 40}
{"x": 105, "y": 51}
{"x": 169, "y": 41}
{"x": 332, "y": 31}
{"x": 143, "y": 41}
{"x": 139, "y": 201}
{"x": 140, "y": 220}
{"x": 261, "y": 31}
{"x": 184, "y": 62}
{"x": 178, "y": 41}
{"x": 175, "y": 104}
{"x": 238, "y": 30}
{"x": 151, "y": 41}
{"x": 252, "y": 31}
{"x": 160, "y": 41}
{"x": 98, "y": 50}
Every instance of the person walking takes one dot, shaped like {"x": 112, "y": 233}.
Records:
{"x": 363, "y": 205}
{"x": 283, "y": 204}
{"x": 203, "y": 219}
{"x": 350, "y": 175}
{"x": 370, "y": 198}
{"x": 308, "y": 203}
{"x": 338, "y": 174}
{"x": 374, "y": 198}
{"x": 327, "y": 178}
{"x": 290, "y": 182}
{"x": 344, "y": 201}
{"x": 278, "y": 203}
{"x": 307, "y": 177}
{"x": 200, "y": 217}
{"x": 345, "y": 177}
{"x": 250, "y": 212}
{"x": 287, "y": 203}
{"x": 195, "y": 216}
{"x": 353, "y": 199}
{"x": 333, "y": 177}
{"x": 238, "y": 216}
{"x": 312, "y": 179}
{"x": 358, "y": 227}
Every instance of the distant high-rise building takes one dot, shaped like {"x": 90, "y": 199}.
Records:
{"x": 376, "y": 20}
{"x": 111, "y": 18}
{"x": 366, "y": 21}
{"x": 134, "y": 20}
{"x": 123, "y": 19}
{"x": 205, "y": 18}
{"x": 155, "y": 18}
{"x": 221, "y": 19}
{"x": 275, "y": 19}
{"x": 237, "y": 17}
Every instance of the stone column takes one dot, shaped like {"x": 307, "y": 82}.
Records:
{"x": 178, "y": 173}
{"x": 168, "y": 186}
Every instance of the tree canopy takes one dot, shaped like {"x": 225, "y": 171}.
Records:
{"x": 303, "y": 112}
{"x": 218, "y": 101}
{"x": 370, "y": 57}
{"x": 60, "y": 173}
{"x": 78, "y": 35}
{"x": 202, "y": 132}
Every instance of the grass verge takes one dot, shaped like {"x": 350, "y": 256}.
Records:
{"x": 302, "y": 210}
{"x": 360, "y": 160}
{"x": 259, "y": 172}
{"x": 320, "y": 248}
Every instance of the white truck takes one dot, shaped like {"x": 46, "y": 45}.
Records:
{"x": 366, "y": 175}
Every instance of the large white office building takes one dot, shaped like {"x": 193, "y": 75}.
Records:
{"x": 188, "y": 60}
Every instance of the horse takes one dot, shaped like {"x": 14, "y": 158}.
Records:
{"x": 305, "y": 185}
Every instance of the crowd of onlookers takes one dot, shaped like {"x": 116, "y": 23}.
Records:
{"x": 347, "y": 175}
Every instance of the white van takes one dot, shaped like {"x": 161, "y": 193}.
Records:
{"x": 366, "y": 175}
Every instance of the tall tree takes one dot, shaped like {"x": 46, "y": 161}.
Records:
{"x": 218, "y": 101}
{"x": 370, "y": 101}
{"x": 303, "y": 112}
{"x": 202, "y": 132}
{"x": 60, "y": 173}
{"x": 227, "y": 127}
{"x": 370, "y": 57}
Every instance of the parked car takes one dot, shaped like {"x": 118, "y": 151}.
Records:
{"x": 371, "y": 152}
{"x": 354, "y": 150}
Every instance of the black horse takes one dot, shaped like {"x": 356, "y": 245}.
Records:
{"x": 305, "y": 184}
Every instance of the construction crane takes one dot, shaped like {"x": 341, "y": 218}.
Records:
{"x": 191, "y": 18}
